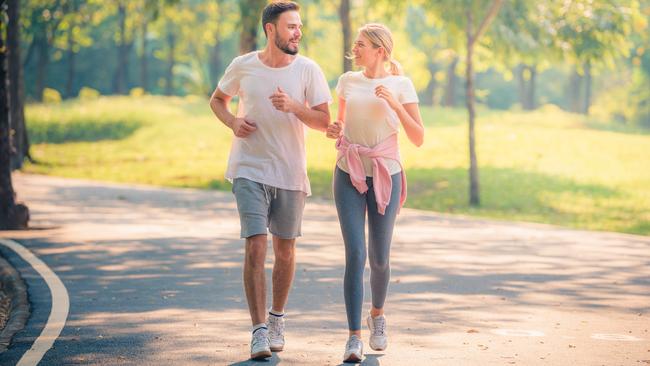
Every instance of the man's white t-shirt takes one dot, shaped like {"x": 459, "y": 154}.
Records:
{"x": 369, "y": 119}
{"x": 275, "y": 153}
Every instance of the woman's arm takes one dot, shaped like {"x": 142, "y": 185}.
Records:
{"x": 408, "y": 114}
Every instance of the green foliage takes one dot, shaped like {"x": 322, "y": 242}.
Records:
{"x": 87, "y": 93}
{"x": 83, "y": 130}
{"x": 51, "y": 96}
{"x": 137, "y": 92}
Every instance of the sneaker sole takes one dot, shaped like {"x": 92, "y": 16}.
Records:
{"x": 277, "y": 349}
{"x": 261, "y": 355}
{"x": 375, "y": 348}
{"x": 353, "y": 358}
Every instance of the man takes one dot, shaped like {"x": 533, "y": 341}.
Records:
{"x": 279, "y": 93}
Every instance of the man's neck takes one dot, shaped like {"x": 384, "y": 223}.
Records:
{"x": 275, "y": 57}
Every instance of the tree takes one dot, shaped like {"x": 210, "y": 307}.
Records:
{"x": 44, "y": 20}
{"x": 18, "y": 138}
{"x": 462, "y": 18}
{"x": 346, "y": 29}
{"x": 12, "y": 215}
{"x": 592, "y": 34}
{"x": 251, "y": 11}
{"x": 522, "y": 40}
{"x": 427, "y": 34}
{"x": 120, "y": 82}
{"x": 472, "y": 37}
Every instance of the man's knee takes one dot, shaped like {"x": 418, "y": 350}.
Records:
{"x": 285, "y": 250}
{"x": 256, "y": 250}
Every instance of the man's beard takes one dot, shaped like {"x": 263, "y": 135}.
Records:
{"x": 285, "y": 47}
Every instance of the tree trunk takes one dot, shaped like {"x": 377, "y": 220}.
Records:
{"x": 171, "y": 40}
{"x": 474, "y": 198}
{"x": 69, "y": 85}
{"x": 452, "y": 80}
{"x": 144, "y": 66}
{"x": 521, "y": 85}
{"x": 430, "y": 92}
{"x": 216, "y": 66}
{"x": 346, "y": 27}
{"x": 30, "y": 53}
{"x": 12, "y": 216}
{"x": 7, "y": 200}
{"x": 41, "y": 65}
{"x": 18, "y": 142}
{"x": 250, "y": 10}
{"x": 575, "y": 94}
{"x": 588, "y": 79}
{"x": 531, "y": 104}
{"x": 119, "y": 86}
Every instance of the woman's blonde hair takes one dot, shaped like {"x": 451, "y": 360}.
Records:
{"x": 380, "y": 36}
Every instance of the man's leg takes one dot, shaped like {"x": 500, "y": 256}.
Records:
{"x": 254, "y": 278}
{"x": 283, "y": 271}
{"x": 285, "y": 221}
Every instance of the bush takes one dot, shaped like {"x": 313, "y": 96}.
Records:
{"x": 87, "y": 93}
{"x": 137, "y": 92}
{"x": 51, "y": 96}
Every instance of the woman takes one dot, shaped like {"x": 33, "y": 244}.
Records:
{"x": 368, "y": 177}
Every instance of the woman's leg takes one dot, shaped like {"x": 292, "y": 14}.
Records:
{"x": 380, "y": 235}
{"x": 351, "y": 208}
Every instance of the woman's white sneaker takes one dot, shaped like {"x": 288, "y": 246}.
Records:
{"x": 378, "y": 337}
{"x": 353, "y": 350}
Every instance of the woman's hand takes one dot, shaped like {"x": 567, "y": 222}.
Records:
{"x": 334, "y": 130}
{"x": 385, "y": 94}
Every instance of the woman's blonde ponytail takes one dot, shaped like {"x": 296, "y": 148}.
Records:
{"x": 395, "y": 67}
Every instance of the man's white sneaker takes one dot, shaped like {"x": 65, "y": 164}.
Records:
{"x": 378, "y": 337}
{"x": 353, "y": 350}
{"x": 276, "y": 332}
{"x": 260, "y": 348}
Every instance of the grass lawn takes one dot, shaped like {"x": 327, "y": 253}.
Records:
{"x": 545, "y": 166}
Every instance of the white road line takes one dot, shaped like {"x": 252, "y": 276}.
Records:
{"x": 60, "y": 305}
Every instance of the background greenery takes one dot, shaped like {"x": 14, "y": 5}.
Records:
{"x": 563, "y": 129}
{"x": 546, "y": 166}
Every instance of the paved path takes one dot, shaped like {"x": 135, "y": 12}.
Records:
{"x": 154, "y": 278}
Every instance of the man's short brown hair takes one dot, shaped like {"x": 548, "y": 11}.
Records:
{"x": 272, "y": 12}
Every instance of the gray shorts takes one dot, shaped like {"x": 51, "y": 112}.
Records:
{"x": 261, "y": 207}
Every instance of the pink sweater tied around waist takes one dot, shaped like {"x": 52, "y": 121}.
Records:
{"x": 382, "y": 182}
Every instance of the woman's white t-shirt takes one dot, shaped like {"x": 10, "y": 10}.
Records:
{"x": 369, "y": 119}
{"x": 275, "y": 153}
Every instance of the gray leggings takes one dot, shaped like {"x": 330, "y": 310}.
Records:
{"x": 351, "y": 207}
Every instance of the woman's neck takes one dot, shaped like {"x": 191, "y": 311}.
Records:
{"x": 376, "y": 71}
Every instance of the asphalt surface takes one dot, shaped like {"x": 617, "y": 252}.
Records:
{"x": 154, "y": 278}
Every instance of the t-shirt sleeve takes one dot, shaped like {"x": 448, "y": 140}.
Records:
{"x": 229, "y": 82}
{"x": 318, "y": 92}
{"x": 340, "y": 86}
{"x": 407, "y": 93}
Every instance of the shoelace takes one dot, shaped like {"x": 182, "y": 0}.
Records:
{"x": 380, "y": 325}
{"x": 278, "y": 328}
{"x": 259, "y": 337}
{"x": 354, "y": 343}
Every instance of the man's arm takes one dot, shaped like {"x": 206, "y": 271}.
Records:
{"x": 219, "y": 104}
{"x": 316, "y": 117}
